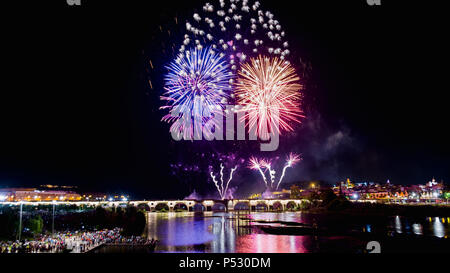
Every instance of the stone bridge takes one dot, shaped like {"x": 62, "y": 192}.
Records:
{"x": 190, "y": 205}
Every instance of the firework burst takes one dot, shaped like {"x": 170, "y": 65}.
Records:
{"x": 268, "y": 90}
{"x": 257, "y": 164}
{"x": 197, "y": 86}
{"x": 260, "y": 164}
{"x": 238, "y": 29}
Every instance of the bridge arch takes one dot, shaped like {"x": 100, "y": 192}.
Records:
{"x": 218, "y": 206}
{"x": 198, "y": 207}
{"x": 277, "y": 205}
{"x": 291, "y": 205}
{"x": 162, "y": 206}
{"x": 143, "y": 206}
{"x": 261, "y": 205}
{"x": 180, "y": 206}
{"x": 242, "y": 205}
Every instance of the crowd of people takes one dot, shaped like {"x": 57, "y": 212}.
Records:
{"x": 42, "y": 244}
{"x": 76, "y": 242}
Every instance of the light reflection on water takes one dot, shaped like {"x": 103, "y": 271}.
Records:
{"x": 398, "y": 224}
{"x": 429, "y": 226}
{"x": 417, "y": 229}
{"x": 438, "y": 228}
{"x": 267, "y": 243}
{"x": 221, "y": 232}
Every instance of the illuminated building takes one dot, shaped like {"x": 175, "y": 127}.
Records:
{"x": 32, "y": 194}
{"x": 57, "y": 187}
{"x": 283, "y": 194}
{"x": 118, "y": 197}
{"x": 349, "y": 184}
{"x": 430, "y": 192}
{"x": 255, "y": 196}
{"x": 94, "y": 196}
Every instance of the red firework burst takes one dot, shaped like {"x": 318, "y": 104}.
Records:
{"x": 268, "y": 90}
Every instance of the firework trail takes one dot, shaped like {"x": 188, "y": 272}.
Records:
{"x": 269, "y": 93}
{"x": 256, "y": 164}
{"x": 197, "y": 86}
{"x": 290, "y": 161}
{"x": 216, "y": 183}
{"x": 229, "y": 180}
{"x": 271, "y": 174}
{"x": 220, "y": 185}
{"x": 235, "y": 27}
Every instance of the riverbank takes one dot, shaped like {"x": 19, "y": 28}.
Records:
{"x": 374, "y": 210}
{"x": 74, "y": 242}
{"x": 62, "y": 242}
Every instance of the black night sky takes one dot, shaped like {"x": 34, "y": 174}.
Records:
{"x": 77, "y": 108}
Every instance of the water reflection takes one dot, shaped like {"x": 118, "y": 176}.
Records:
{"x": 275, "y": 216}
{"x": 238, "y": 232}
{"x": 266, "y": 243}
{"x": 398, "y": 224}
{"x": 438, "y": 228}
{"x": 417, "y": 229}
{"x": 221, "y": 233}
{"x": 429, "y": 226}
{"x": 178, "y": 230}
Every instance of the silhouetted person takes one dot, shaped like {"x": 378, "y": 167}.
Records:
{"x": 152, "y": 244}
{"x": 315, "y": 235}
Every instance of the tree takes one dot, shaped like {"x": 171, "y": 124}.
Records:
{"x": 337, "y": 204}
{"x": 313, "y": 196}
{"x": 100, "y": 217}
{"x": 135, "y": 222}
{"x": 327, "y": 196}
{"x": 295, "y": 192}
{"x": 36, "y": 224}
{"x": 9, "y": 222}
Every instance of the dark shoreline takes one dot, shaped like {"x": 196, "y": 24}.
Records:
{"x": 375, "y": 210}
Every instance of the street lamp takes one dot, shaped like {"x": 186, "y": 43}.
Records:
{"x": 53, "y": 219}
{"x": 20, "y": 220}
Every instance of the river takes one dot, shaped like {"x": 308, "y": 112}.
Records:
{"x": 240, "y": 232}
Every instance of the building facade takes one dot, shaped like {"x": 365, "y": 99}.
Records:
{"x": 33, "y": 194}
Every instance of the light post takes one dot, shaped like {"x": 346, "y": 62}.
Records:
{"x": 53, "y": 218}
{"x": 20, "y": 220}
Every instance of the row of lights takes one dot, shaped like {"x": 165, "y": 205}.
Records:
{"x": 4, "y": 197}
{"x": 123, "y": 199}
